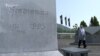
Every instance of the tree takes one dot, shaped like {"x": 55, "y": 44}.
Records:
{"x": 94, "y": 21}
{"x": 83, "y": 23}
{"x": 75, "y": 26}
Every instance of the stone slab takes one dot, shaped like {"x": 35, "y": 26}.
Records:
{"x": 28, "y": 25}
{"x": 75, "y": 50}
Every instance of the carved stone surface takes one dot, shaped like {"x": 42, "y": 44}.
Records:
{"x": 27, "y": 25}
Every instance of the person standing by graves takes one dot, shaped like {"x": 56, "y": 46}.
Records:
{"x": 81, "y": 37}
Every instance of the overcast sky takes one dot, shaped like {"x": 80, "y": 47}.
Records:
{"x": 78, "y": 10}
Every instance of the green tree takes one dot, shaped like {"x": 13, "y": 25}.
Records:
{"x": 75, "y": 26}
{"x": 83, "y": 23}
{"x": 94, "y": 21}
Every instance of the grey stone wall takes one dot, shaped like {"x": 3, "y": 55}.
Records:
{"x": 90, "y": 38}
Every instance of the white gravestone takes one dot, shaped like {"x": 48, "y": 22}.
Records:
{"x": 27, "y": 26}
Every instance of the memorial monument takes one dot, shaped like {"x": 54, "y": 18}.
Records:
{"x": 28, "y": 27}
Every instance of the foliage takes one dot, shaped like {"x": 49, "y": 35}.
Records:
{"x": 83, "y": 23}
{"x": 75, "y": 26}
{"x": 94, "y": 21}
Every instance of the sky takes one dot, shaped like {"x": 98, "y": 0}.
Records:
{"x": 78, "y": 10}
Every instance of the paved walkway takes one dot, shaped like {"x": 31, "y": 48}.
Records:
{"x": 95, "y": 50}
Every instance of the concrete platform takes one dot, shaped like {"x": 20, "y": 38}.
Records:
{"x": 94, "y": 49}
{"x": 73, "y": 51}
